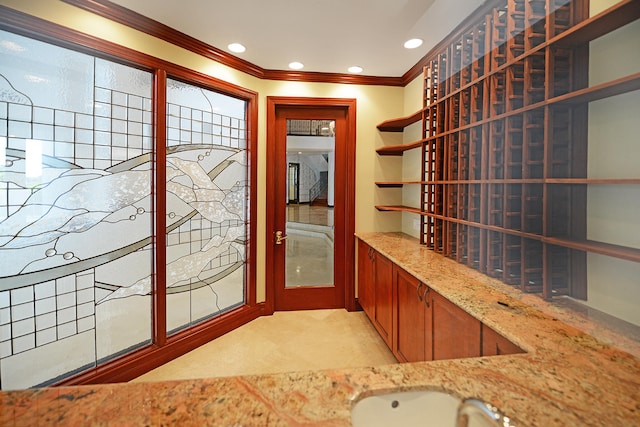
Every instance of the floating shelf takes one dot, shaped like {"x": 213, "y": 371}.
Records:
{"x": 601, "y": 91}
{"x": 398, "y": 150}
{"x": 400, "y": 209}
{"x": 397, "y": 184}
{"x": 398, "y": 125}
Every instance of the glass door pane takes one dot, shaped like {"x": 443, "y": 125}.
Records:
{"x": 309, "y": 226}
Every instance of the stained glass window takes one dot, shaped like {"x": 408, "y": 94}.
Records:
{"x": 207, "y": 188}
{"x": 77, "y": 209}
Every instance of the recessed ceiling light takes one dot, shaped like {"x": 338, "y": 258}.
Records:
{"x": 355, "y": 69}
{"x": 296, "y": 65}
{"x": 236, "y": 47}
{"x": 413, "y": 43}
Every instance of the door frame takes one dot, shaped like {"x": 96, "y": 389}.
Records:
{"x": 347, "y": 264}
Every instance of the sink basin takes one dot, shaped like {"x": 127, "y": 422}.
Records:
{"x": 408, "y": 408}
{"x": 425, "y": 408}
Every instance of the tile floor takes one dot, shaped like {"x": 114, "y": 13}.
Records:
{"x": 284, "y": 342}
{"x": 290, "y": 340}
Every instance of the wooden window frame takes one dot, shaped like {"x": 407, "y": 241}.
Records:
{"x": 162, "y": 348}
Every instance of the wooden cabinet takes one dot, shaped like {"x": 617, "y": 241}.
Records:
{"x": 365, "y": 278}
{"x": 456, "y": 333}
{"x": 430, "y": 327}
{"x": 383, "y": 297}
{"x": 417, "y": 323}
{"x": 505, "y": 179}
{"x": 375, "y": 289}
{"x": 494, "y": 344}
{"x": 413, "y": 332}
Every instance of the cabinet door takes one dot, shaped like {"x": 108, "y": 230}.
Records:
{"x": 412, "y": 341}
{"x": 383, "y": 297}
{"x": 456, "y": 333}
{"x": 494, "y": 344}
{"x": 365, "y": 278}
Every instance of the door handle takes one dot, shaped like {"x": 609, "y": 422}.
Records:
{"x": 280, "y": 237}
{"x": 424, "y": 296}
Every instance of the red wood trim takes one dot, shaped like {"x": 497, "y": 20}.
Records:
{"x": 127, "y": 17}
{"x": 318, "y": 77}
{"x": 350, "y": 262}
{"x": 130, "y": 366}
{"x": 159, "y": 185}
{"x": 270, "y": 213}
{"x": 252, "y": 163}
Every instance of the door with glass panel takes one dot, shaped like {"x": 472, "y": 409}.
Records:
{"x": 309, "y": 144}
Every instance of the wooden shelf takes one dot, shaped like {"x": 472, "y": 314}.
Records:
{"x": 581, "y": 96}
{"x": 616, "y": 251}
{"x": 605, "y": 90}
{"x": 399, "y": 209}
{"x": 505, "y": 136}
{"x": 593, "y": 181}
{"x": 398, "y": 150}
{"x": 590, "y": 29}
{"x": 397, "y": 184}
{"x": 603, "y": 23}
{"x": 398, "y": 125}
{"x": 563, "y": 181}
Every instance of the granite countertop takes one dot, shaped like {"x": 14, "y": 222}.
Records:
{"x": 571, "y": 375}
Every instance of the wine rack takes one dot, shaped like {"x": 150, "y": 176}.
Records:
{"x": 504, "y": 136}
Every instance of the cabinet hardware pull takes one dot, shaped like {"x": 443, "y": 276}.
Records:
{"x": 424, "y": 296}
{"x": 418, "y": 291}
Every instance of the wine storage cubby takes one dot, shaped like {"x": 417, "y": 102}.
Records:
{"x": 504, "y": 142}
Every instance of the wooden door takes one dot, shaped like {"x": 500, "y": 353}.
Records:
{"x": 383, "y": 297}
{"x": 413, "y": 328}
{"x": 365, "y": 278}
{"x": 456, "y": 333}
{"x": 494, "y": 344}
{"x": 340, "y": 293}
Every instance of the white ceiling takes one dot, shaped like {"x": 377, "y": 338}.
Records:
{"x": 325, "y": 35}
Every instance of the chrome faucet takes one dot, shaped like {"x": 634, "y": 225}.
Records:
{"x": 476, "y": 413}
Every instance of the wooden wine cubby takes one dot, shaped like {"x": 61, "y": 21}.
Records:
{"x": 504, "y": 142}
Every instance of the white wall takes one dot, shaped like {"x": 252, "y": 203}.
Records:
{"x": 613, "y": 212}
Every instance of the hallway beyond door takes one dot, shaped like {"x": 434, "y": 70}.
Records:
{"x": 310, "y": 245}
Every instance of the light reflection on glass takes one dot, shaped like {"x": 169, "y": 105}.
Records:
{"x": 33, "y": 164}
{"x": 3, "y": 151}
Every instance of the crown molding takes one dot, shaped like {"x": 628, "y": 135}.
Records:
{"x": 132, "y": 19}
{"x": 129, "y": 18}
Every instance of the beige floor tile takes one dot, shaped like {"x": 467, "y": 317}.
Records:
{"x": 284, "y": 342}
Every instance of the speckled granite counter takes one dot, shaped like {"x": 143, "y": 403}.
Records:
{"x": 566, "y": 378}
